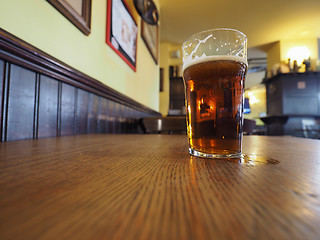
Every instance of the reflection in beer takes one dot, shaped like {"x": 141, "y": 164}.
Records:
{"x": 214, "y": 103}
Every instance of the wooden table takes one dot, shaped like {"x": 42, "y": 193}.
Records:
{"x": 148, "y": 187}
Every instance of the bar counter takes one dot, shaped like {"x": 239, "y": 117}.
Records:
{"x": 149, "y": 187}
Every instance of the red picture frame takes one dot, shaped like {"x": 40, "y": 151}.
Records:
{"x": 122, "y": 31}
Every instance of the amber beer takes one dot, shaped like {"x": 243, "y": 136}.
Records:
{"x": 214, "y": 71}
{"x": 214, "y": 100}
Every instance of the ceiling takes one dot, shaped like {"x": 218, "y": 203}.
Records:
{"x": 263, "y": 21}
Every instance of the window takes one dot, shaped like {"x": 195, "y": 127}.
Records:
{"x": 77, "y": 11}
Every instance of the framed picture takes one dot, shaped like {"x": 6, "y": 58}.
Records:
{"x": 149, "y": 34}
{"x": 122, "y": 31}
{"x": 77, "y": 12}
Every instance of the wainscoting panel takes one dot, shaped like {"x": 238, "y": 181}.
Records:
{"x": 82, "y": 104}
{"x": 48, "y": 107}
{"x": 21, "y": 105}
{"x": 2, "y": 71}
{"x": 103, "y": 116}
{"x": 93, "y": 113}
{"x": 43, "y": 97}
{"x": 68, "y": 96}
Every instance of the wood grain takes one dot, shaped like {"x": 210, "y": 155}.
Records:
{"x": 149, "y": 187}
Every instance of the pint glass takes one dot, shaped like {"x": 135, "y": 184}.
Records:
{"x": 214, "y": 71}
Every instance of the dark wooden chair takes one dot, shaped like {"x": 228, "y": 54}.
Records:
{"x": 311, "y": 128}
{"x": 248, "y": 126}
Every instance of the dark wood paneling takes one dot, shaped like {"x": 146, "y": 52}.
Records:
{"x": 111, "y": 118}
{"x": 4, "y": 100}
{"x": 21, "y": 104}
{"x": 93, "y": 113}
{"x": 2, "y": 77}
{"x": 82, "y": 112}
{"x": 122, "y": 119}
{"x": 135, "y": 118}
{"x": 43, "y": 97}
{"x": 127, "y": 118}
{"x": 67, "y": 109}
{"x": 103, "y": 115}
{"x": 116, "y": 114}
{"x": 48, "y": 107}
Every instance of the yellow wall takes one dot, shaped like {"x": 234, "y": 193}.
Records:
{"x": 258, "y": 104}
{"x": 165, "y": 61}
{"x": 41, "y": 25}
{"x": 273, "y": 54}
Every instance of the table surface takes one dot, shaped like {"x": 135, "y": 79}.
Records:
{"x": 149, "y": 187}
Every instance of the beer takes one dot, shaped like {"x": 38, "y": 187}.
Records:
{"x": 214, "y": 99}
{"x": 214, "y": 71}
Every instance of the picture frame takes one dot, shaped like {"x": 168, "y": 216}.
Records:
{"x": 122, "y": 31}
{"x": 150, "y": 35}
{"x": 78, "y": 13}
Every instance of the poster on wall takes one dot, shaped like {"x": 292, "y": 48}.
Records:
{"x": 122, "y": 31}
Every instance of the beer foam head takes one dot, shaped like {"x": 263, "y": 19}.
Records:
{"x": 189, "y": 62}
{"x": 215, "y": 44}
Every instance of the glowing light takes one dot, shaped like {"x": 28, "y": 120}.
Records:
{"x": 252, "y": 98}
{"x": 191, "y": 84}
{"x": 298, "y": 54}
{"x": 199, "y": 105}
